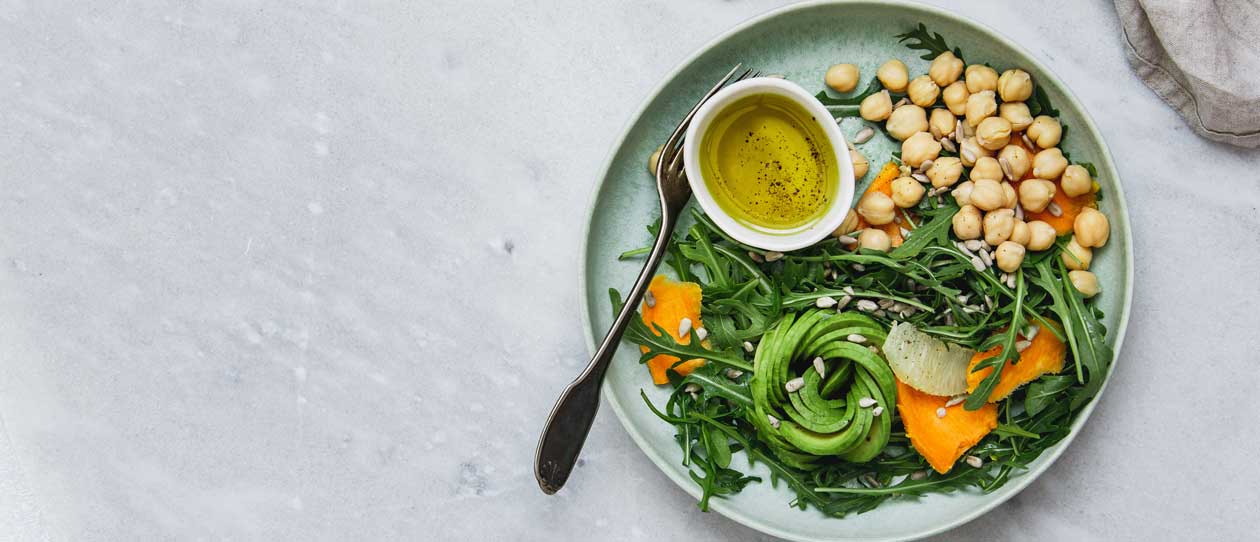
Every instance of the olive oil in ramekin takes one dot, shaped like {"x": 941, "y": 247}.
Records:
{"x": 768, "y": 163}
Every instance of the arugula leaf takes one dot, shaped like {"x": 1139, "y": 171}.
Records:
{"x": 856, "y": 99}
{"x": 1045, "y": 391}
{"x": 922, "y": 40}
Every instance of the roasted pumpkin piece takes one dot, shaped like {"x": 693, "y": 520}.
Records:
{"x": 942, "y": 439}
{"x": 1044, "y": 355}
{"x": 673, "y": 301}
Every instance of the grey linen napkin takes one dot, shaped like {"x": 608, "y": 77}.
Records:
{"x": 1203, "y": 58}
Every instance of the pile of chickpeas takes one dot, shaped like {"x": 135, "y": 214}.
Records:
{"x": 983, "y": 118}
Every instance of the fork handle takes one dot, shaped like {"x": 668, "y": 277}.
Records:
{"x": 571, "y": 418}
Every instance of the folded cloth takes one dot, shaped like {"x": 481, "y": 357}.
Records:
{"x": 1203, "y": 58}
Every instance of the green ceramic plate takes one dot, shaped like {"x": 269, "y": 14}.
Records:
{"x": 801, "y": 41}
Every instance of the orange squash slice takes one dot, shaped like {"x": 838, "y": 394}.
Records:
{"x": 674, "y": 301}
{"x": 942, "y": 440}
{"x": 1044, "y": 356}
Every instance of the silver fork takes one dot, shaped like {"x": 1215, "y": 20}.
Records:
{"x": 571, "y": 418}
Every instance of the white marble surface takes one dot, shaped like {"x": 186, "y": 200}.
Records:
{"x": 300, "y": 271}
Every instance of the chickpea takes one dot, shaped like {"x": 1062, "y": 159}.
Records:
{"x": 1045, "y": 131}
{"x": 1036, "y": 194}
{"x": 1015, "y": 86}
{"x": 874, "y": 239}
{"x": 980, "y": 78}
{"x": 906, "y": 121}
{"x": 1049, "y": 163}
{"x": 919, "y": 148}
{"x": 1009, "y": 198}
{"x": 1014, "y": 161}
{"x": 842, "y": 77}
{"x": 962, "y": 193}
{"x": 998, "y": 226}
{"x": 955, "y": 97}
{"x": 1077, "y": 256}
{"x": 1021, "y": 233}
{"x": 894, "y": 75}
{"x": 986, "y": 194}
{"x": 945, "y": 69}
{"x": 970, "y": 151}
{"x": 1091, "y": 227}
{"x": 1085, "y": 282}
{"x": 1041, "y": 235}
{"x": 876, "y": 107}
{"x": 1076, "y": 181}
{"x": 849, "y": 225}
{"x": 941, "y": 123}
{"x": 986, "y": 167}
{"x": 1017, "y": 114}
{"x": 656, "y": 157}
{"x": 980, "y": 105}
{"x": 967, "y": 222}
{"x": 876, "y": 208}
{"x": 993, "y": 133}
{"x": 945, "y": 171}
{"x": 923, "y": 91}
{"x": 860, "y": 164}
{"x": 1009, "y": 256}
{"x": 907, "y": 192}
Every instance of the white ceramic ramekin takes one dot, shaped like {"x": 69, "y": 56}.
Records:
{"x": 766, "y": 238}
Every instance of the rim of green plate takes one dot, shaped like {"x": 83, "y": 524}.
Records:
{"x": 1018, "y": 483}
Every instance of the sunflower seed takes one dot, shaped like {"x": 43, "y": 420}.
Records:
{"x": 649, "y": 299}
{"x": 958, "y": 132}
{"x": 918, "y": 475}
{"x": 794, "y": 384}
{"x": 940, "y": 412}
{"x": 962, "y": 299}
{"x": 864, "y": 135}
{"x": 774, "y": 422}
{"x": 1019, "y": 211}
{"x": 820, "y": 367}
{"x": 1003, "y": 276}
{"x": 843, "y": 301}
{"x": 870, "y": 481}
{"x": 955, "y": 400}
{"x": 925, "y": 165}
{"x": 866, "y": 305}
{"x": 949, "y": 319}
{"x": 1006, "y": 168}
{"x": 974, "y": 244}
{"x": 885, "y": 303}
{"x": 1028, "y": 142}
{"x": 988, "y": 301}
{"x": 974, "y": 461}
{"x": 877, "y": 411}
{"x": 748, "y": 347}
{"x": 1030, "y": 332}
{"x": 755, "y": 257}
{"x": 825, "y": 302}
{"x": 702, "y": 333}
{"x": 772, "y": 256}
{"x": 1021, "y": 346}
{"x": 901, "y": 102}
{"x": 948, "y": 145}
{"x": 855, "y": 338}
{"x": 849, "y": 290}
{"x": 879, "y": 313}
{"x": 691, "y": 388}
{"x": 971, "y": 309}
{"x": 977, "y": 263}
{"x": 897, "y": 219}
{"x": 873, "y": 349}
{"x": 684, "y": 326}
{"x": 1010, "y": 281}
{"x": 848, "y": 240}
{"x": 733, "y": 373}
{"x": 968, "y": 155}
{"x": 920, "y": 177}
{"x": 1054, "y": 209}
{"x": 905, "y": 234}
{"x": 986, "y": 258}
{"x": 963, "y": 247}
{"x": 858, "y": 267}
{"x": 866, "y": 402}
{"x": 904, "y": 170}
